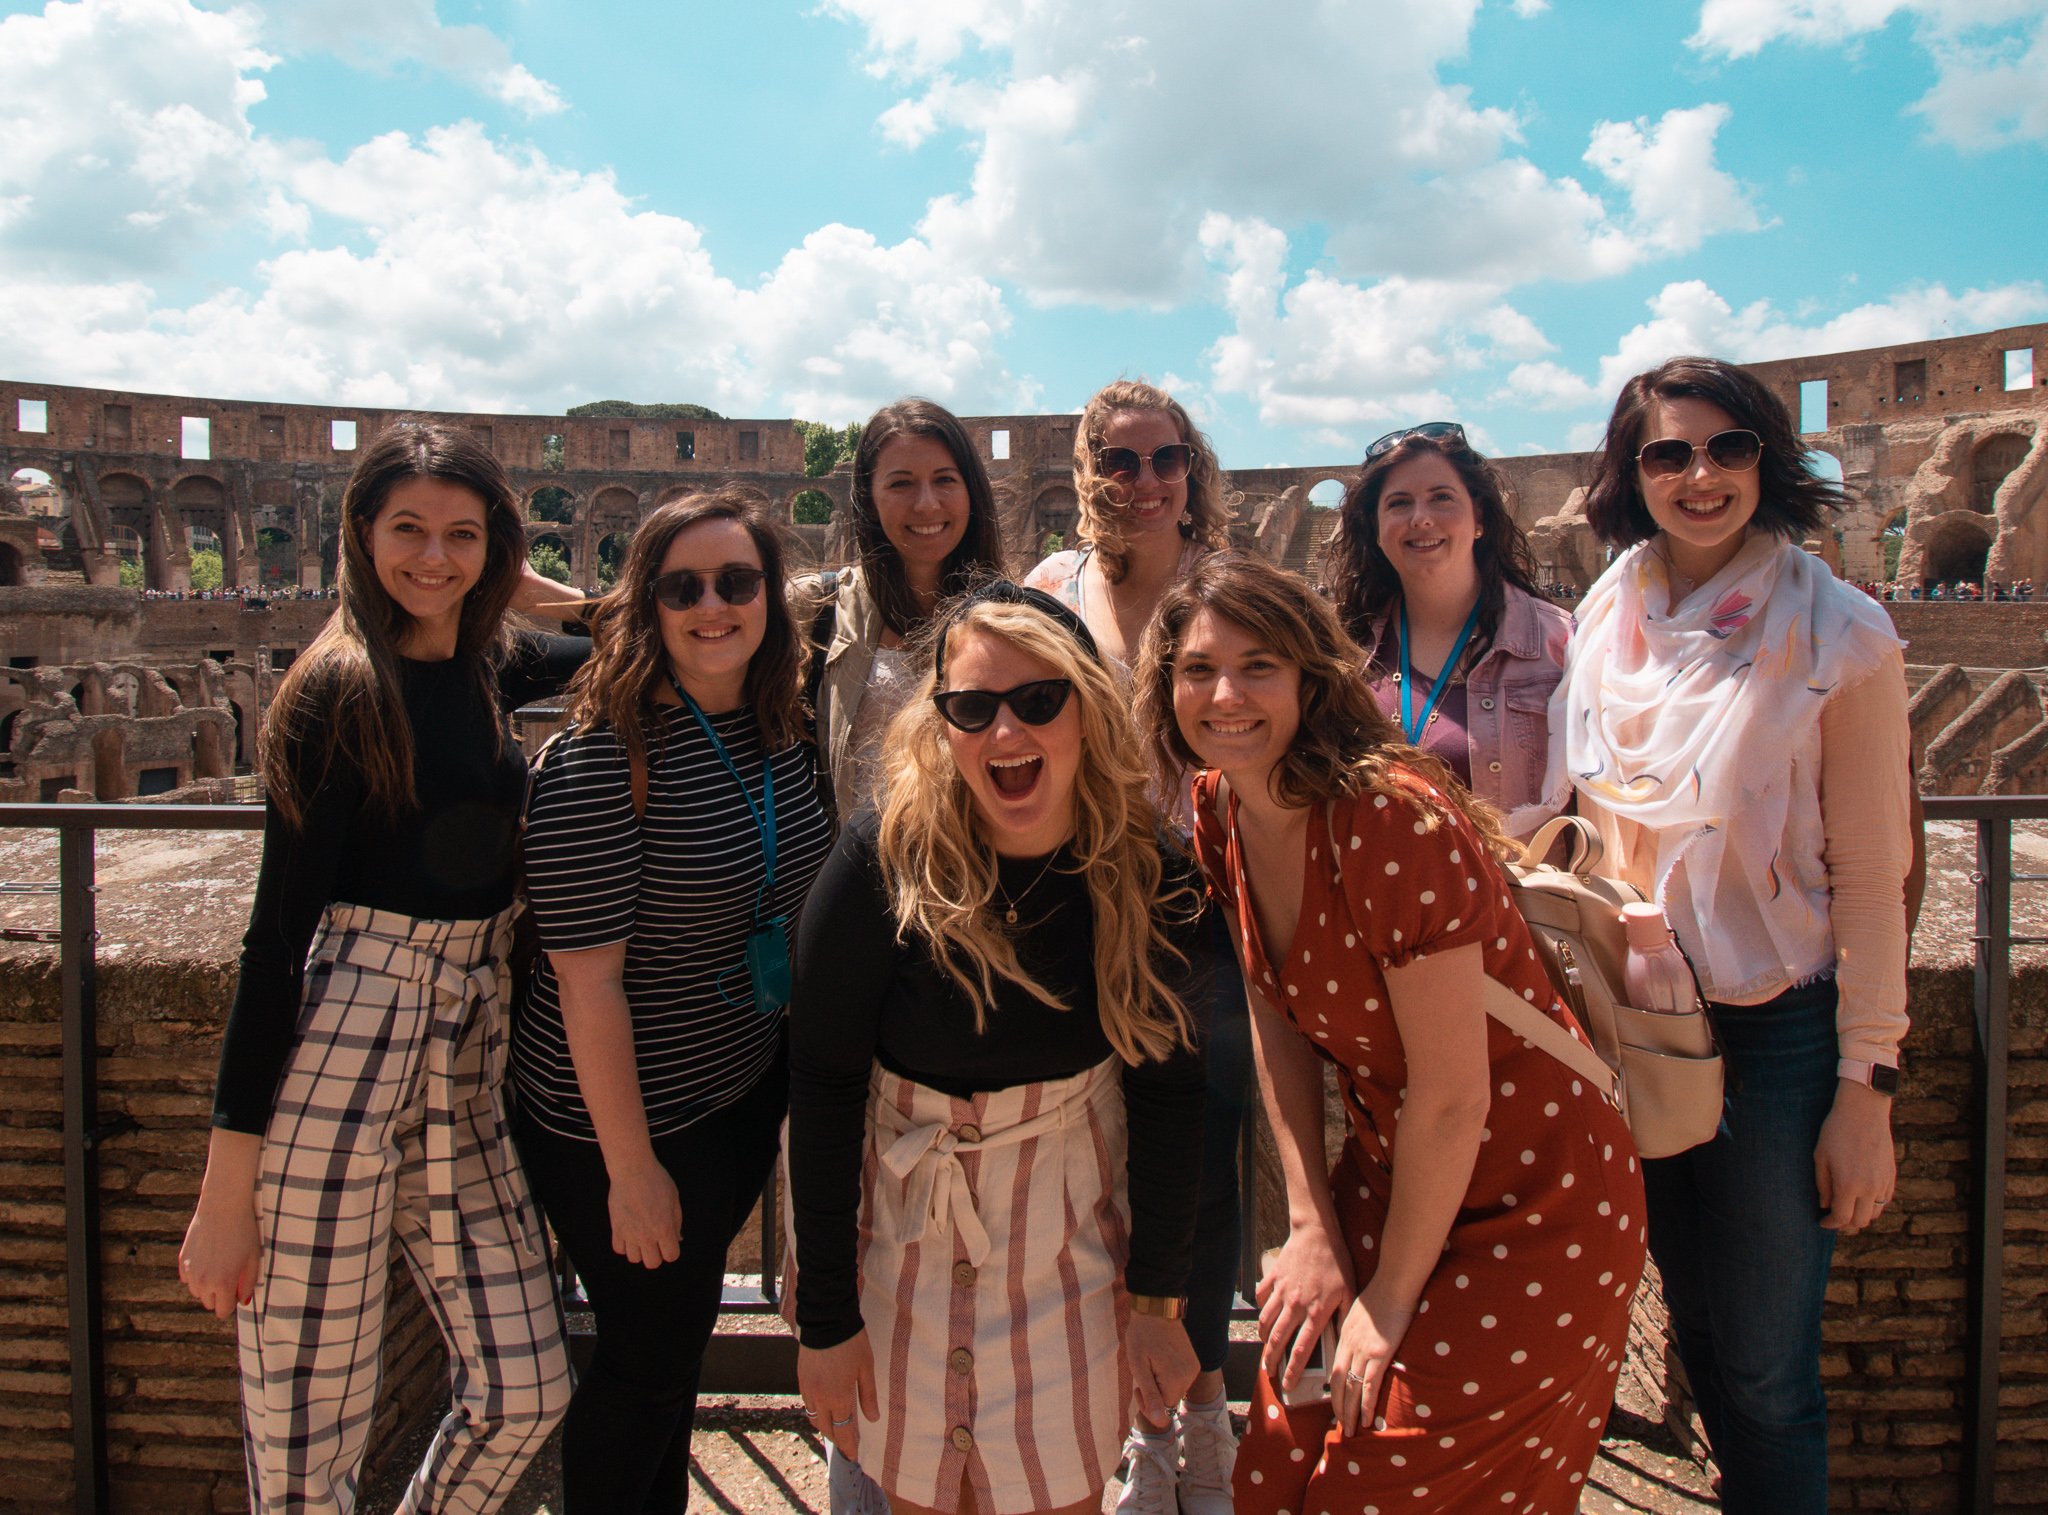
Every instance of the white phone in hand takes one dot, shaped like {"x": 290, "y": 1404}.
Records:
{"x": 1313, "y": 1387}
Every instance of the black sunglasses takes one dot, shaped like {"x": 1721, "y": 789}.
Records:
{"x": 1034, "y": 703}
{"x": 1429, "y": 430}
{"x": 685, "y": 586}
{"x": 1730, "y": 451}
{"x": 1170, "y": 463}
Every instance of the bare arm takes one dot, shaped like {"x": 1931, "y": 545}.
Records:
{"x": 646, "y": 1215}
{"x": 1437, "y": 1005}
{"x": 1311, "y": 1279}
{"x": 222, "y": 1249}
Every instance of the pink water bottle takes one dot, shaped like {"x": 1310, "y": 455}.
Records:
{"x": 1656, "y": 975}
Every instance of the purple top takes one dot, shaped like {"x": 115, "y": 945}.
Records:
{"x": 1446, "y": 736}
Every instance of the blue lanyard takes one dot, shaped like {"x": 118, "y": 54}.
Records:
{"x": 1413, "y": 729}
{"x": 765, "y": 826}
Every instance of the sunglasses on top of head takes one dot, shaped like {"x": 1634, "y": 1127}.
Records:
{"x": 684, "y": 587}
{"x": 1170, "y": 463}
{"x": 1730, "y": 451}
{"x": 1034, "y": 703}
{"x": 1429, "y": 431}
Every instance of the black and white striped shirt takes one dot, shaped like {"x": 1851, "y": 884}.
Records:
{"x": 678, "y": 889}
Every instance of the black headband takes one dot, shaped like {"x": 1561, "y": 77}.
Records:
{"x": 1003, "y": 592}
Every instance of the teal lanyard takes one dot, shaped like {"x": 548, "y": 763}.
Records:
{"x": 764, "y": 824}
{"x": 1412, "y": 727}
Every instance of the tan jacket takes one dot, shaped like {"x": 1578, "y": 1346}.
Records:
{"x": 856, "y": 633}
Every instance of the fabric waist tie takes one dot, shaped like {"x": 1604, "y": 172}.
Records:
{"x": 927, "y": 1160}
{"x": 467, "y": 1001}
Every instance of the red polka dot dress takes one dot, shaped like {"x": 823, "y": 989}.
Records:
{"x": 1498, "y": 1394}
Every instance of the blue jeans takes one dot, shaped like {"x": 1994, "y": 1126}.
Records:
{"x": 1225, "y": 1024}
{"x": 1735, "y": 1229}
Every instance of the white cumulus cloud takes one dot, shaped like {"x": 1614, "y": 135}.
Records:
{"x": 1990, "y": 56}
{"x": 382, "y": 33}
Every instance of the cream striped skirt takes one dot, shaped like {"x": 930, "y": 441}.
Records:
{"x": 994, "y": 1232}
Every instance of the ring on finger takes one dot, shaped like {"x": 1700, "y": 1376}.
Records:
{"x": 846, "y": 1422}
{"x": 1357, "y": 1378}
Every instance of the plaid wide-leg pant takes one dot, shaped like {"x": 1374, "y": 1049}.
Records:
{"x": 389, "y": 1128}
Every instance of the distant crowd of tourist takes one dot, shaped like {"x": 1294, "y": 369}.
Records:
{"x": 241, "y": 592}
{"x": 1956, "y": 591}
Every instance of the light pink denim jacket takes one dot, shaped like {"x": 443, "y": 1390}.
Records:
{"x": 1507, "y": 703}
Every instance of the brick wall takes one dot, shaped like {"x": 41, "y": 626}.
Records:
{"x": 1977, "y": 636}
{"x": 172, "y": 1421}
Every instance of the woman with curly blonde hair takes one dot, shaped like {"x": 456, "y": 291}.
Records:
{"x": 1153, "y": 504}
{"x": 993, "y": 1085}
{"x": 1477, "y": 1244}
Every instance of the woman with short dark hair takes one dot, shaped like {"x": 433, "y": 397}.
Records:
{"x": 1733, "y": 718}
{"x": 672, "y": 837}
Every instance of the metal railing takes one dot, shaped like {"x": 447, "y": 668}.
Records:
{"x": 764, "y": 1364}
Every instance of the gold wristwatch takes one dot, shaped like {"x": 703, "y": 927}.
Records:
{"x": 1166, "y": 1306}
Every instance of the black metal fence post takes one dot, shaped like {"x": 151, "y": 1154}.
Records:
{"x": 77, "y": 928}
{"x": 1987, "y": 1202}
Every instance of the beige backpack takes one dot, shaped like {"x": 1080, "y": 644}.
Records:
{"x": 1664, "y": 1070}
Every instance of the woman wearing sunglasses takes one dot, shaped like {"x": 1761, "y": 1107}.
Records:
{"x": 924, "y": 526}
{"x": 1153, "y": 503}
{"x": 672, "y": 836}
{"x": 1478, "y": 1241}
{"x": 1432, "y": 577}
{"x": 993, "y": 1091}
{"x": 1734, "y": 720}
{"x": 359, "y": 1101}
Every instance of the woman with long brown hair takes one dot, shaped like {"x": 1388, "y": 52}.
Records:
{"x": 672, "y": 836}
{"x": 358, "y": 1100}
{"x": 1477, "y": 1243}
{"x": 994, "y": 1092}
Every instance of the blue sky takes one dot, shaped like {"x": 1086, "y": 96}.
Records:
{"x": 1316, "y": 220}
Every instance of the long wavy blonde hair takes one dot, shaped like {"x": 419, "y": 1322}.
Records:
{"x": 940, "y": 870}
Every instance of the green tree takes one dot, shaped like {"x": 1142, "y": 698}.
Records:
{"x": 1894, "y": 542}
{"x": 548, "y": 562}
{"x": 825, "y": 446}
{"x": 131, "y": 574}
{"x": 611, "y": 552}
{"x": 552, "y": 504}
{"x": 206, "y": 571}
{"x": 812, "y": 508}
{"x": 551, "y": 455}
{"x": 627, "y": 409}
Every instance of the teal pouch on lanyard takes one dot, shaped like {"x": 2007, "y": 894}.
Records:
{"x": 767, "y": 948}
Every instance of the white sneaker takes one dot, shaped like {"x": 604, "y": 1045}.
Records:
{"x": 1208, "y": 1447}
{"x": 1149, "y": 1475}
{"x": 851, "y": 1491}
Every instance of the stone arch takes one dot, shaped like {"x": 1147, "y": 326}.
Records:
{"x": 199, "y": 502}
{"x": 1825, "y": 465}
{"x": 611, "y": 554}
{"x": 614, "y": 502}
{"x": 1956, "y": 548}
{"x": 551, "y": 503}
{"x": 1990, "y": 461}
{"x": 1055, "y": 513}
{"x": 8, "y": 722}
{"x": 1326, "y": 494}
{"x": 12, "y": 573}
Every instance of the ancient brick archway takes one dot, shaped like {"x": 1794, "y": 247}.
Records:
{"x": 1957, "y": 548}
{"x": 1990, "y": 462}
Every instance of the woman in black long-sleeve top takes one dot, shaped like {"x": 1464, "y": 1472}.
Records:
{"x": 993, "y": 1096}
{"x": 358, "y": 1098}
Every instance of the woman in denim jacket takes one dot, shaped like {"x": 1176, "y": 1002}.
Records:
{"x": 1434, "y": 579}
